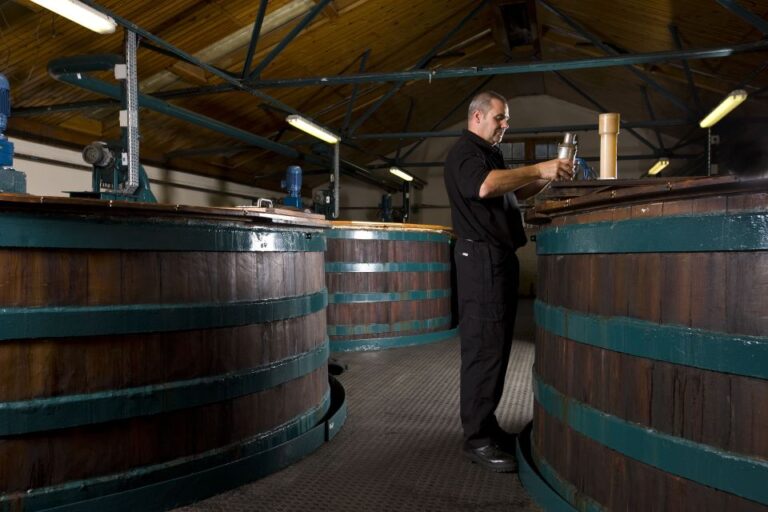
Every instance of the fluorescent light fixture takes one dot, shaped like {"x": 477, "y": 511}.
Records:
{"x": 401, "y": 173}
{"x": 311, "y": 128}
{"x": 733, "y": 100}
{"x": 80, "y": 13}
{"x": 658, "y": 166}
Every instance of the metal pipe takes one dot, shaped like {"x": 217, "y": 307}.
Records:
{"x": 336, "y": 191}
{"x": 512, "y": 69}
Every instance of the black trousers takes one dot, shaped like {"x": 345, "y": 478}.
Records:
{"x": 487, "y": 279}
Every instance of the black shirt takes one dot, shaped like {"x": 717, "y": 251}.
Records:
{"x": 495, "y": 220}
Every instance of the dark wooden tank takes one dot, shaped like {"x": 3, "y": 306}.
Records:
{"x": 389, "y": 285}
{"x": 651, "y": 373}
{"x": 153, "y": 355}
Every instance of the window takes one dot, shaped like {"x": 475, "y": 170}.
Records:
{"x": 530, "y": 150}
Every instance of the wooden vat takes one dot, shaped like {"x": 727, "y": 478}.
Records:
{"x": 154, "y": 355}
{"x": 389, "y": 285}
{"x": 651, "y": 373}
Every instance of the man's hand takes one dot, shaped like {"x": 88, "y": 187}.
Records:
{"x": 557, "y": 169}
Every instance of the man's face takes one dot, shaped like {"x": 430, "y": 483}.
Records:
{"x": 491, "y": 125}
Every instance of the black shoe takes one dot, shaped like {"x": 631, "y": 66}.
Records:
{"x": 492, "y": 457}
{"x": 507, "y": 441}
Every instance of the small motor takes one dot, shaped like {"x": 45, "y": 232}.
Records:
{"x": 292, "y": 183}
{"x": 98, "y": 154}
{"x": 11, "y": 180}
{"x": 6, "y": 146}
{"x": 385, "y": 208}
{"x": 108, "y": 177}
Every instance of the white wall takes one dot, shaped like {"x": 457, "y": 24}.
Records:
{"x": 171, "y": 187}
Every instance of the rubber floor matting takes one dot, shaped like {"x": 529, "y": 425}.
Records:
{"x": 400, "y": 449}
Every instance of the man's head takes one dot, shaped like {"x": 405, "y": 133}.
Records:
{"x": 487, "y": 116}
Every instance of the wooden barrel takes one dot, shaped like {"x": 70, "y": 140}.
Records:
{"x": 154, "y": 355}
{"x": 389, "y": 285}
{"x": 651, "y": 373}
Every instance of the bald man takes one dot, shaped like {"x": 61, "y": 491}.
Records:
{"x": 483, "y": 195}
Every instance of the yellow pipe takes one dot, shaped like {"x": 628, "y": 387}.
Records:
{"x": 608, "y": 127}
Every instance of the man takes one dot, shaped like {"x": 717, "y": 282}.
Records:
{"x": 489, "y": 228}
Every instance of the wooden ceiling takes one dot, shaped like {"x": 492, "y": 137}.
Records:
{"x": 389, "y": 36}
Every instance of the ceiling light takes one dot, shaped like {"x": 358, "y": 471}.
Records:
{"x": 658, "y": 166}
{"x": 400, "y": 173}
{"x": 730, "y": 102}
{"x": 311, "y": 128}
{"x": 80, "y": 13}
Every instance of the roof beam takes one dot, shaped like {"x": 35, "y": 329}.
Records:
{"x": 751, "y": 18}
{"x": 686, "y": 68}
{"x": 421, "y": 64}
{"x": 513, "y": 69}
{"x": 463, "y": 72}
{"x": 331, "y": 11}
{"x": 649, "y": 108}
{"x": 591, "y": 158}
{"x": 74, "y": 71}
{"x": 187, "y": 57}
{"x": 353, "y": 97}
{"x": 464, "y": 101}
{"x": 442, "y": 73}
{"x": 306, "y": 20}
{"x": 524, "y": 130}
{"x": 611, "y": 51}
{"x": 602, "y": 108}
{"x": 254, "y": 38}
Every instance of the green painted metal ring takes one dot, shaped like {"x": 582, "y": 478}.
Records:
{"x": 408, "y": 325}
{"x": 367, "y": 297}
{"x": 684, "y": 233}
{"x": 362, "y": 345}
{"x": 34, "y": 231}
{"x": 374, "y": 234}
{"x": 60, "y": 322}
{"x": 533, "y": 481}
{"x": 387, "y": 267}
{"x": 722, "y": 352}
{"x": 41, "y": 414}
{"x": 181, "y": 481}
{"x": 726, "y": 471}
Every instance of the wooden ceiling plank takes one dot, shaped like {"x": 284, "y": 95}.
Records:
{"x": 189, "y": 73}
{"x": 84, "y": 125}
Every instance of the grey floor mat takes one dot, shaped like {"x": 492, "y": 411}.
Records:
{"x": 400, "y": 447}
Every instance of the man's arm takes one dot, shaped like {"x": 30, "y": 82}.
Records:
{"x": 530, "y": 178}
